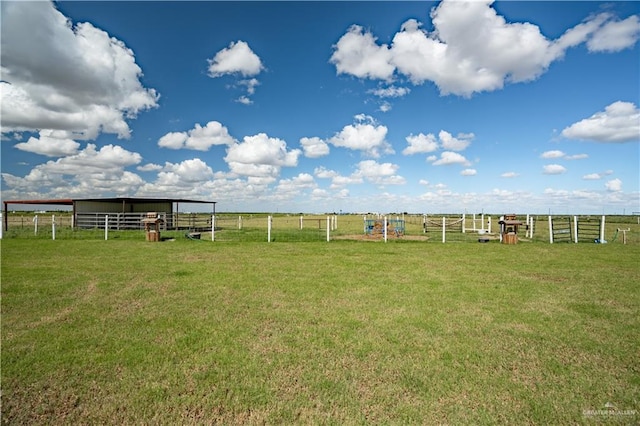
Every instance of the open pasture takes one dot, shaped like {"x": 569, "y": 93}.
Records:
{"x": 187, "y": 332}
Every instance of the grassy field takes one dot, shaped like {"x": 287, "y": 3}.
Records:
{"x": 194, "y": 332}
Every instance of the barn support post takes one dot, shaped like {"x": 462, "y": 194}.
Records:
{"x": 5, "y": 217}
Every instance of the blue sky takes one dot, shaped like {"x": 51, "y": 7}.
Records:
{"x": 424, "y": 107}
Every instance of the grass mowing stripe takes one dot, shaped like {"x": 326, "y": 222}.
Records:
{"x": 192, "y": 332}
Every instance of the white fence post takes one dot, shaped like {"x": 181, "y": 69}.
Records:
{"x": 444, "y": 228}
{"x": 1, "y": 225}
{"x": 602, "y": 230}
{"x": 301, "y": 222}
{"x": 328, "y": 228}
{"x": 575, "y": 229}
{"x": 35, "y": 225}
{"x": 213, "y": 227}
{"x": 364, "y": 224}
{"x": 268, "y": 229}
{"x": 239, "y": 222}
{"x": 53, "y": 227}
{"x": 550, "y": 230}
{"x": 385, "y": 229}
{"x": 106, "y": 227}
{"x": 464, "y": 223}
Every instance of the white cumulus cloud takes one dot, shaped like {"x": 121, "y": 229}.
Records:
{"x": 449, "y": 157}
{"x": 50, "y": 143}
{"x": 199, "y": 138}
{"x": 314, "y": 147}
{"x": 420, "y": 143}
{"x": 614, "y": 185}
{"x": 472, "y": 48}
{"x": 64, "y": 76}
{"x": 619, "y": 122}
{"x": 553, "y": 169}
{"x": 365, "y": 135}
{"x": 260, "y": 156}
{"x": 238, "y": 58}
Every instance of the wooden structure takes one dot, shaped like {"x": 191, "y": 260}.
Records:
{"x": 152, "y": 225}
{"x": 509, "y": 229}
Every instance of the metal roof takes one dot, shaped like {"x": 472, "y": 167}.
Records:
{"x": 131, "y": 200}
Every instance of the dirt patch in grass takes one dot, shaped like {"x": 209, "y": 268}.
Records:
{"x": 366, "y": 237}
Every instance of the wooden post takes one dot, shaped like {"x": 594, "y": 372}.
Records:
{"x": 213, "y": 227}
{"x": 301, "y": 220}
{"x": 444, "y": 228}
{"x": 575, "y": 229}
{"x": 550, "y": 230}
{"x": 268, "y": 229}
{"x": 464, "y": 223}
{"x": 106, "y": 227}
{"x": 602, "y": 230}
{"x": 53, "y": 227}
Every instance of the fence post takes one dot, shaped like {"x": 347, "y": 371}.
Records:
{"x": 384, "y": 229}
{"x": 364, "y": 224}
{"x": 424, "y": 223}
{"x": 575, "y": 229}
{"x": 213, "y": 227}
{"x": 328, "y": 229}
{"x": 53, "y": 227}
{"x": 268, "y": 229}
{"x": 602, "y": 230}
{"x": 444, "y": 228}
{"x": 464, "y": 223}
{"x": 550, "y": 230}
{"x": 35, "y": 225}
{"x": 1, "y": 225}
{"x": 106, "y": 227}
{"x": 239, "y": 222}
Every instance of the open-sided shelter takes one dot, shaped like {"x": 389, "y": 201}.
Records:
{"x": 122, "y": 212}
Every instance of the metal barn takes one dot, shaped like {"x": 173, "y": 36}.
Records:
{"x": 121, "y": 212}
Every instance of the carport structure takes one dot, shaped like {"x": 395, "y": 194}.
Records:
{"x": 122, "y": 212}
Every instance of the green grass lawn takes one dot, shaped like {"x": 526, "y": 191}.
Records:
{"x": 191, "y": 332}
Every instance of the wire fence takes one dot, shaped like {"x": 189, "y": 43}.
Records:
{"x": 274, "y": 228}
